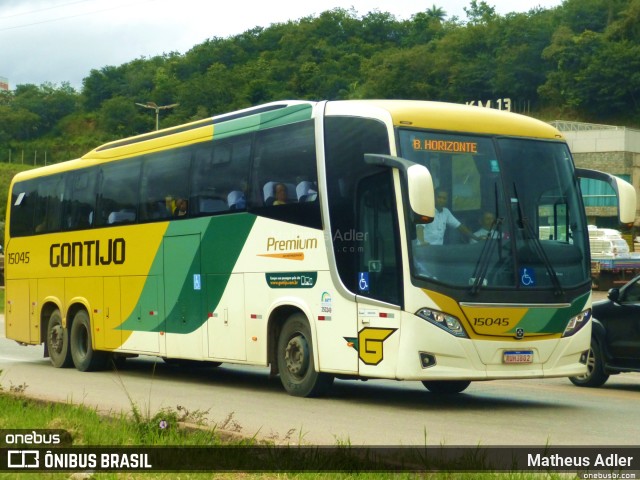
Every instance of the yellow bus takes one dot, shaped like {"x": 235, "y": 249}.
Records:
{"x": 296, "y": 235}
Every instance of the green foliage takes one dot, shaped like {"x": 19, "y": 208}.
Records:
{"x": 580, "y": 58}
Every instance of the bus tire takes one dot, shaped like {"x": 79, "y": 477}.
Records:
{"x": 596, "y": 375}
{"x": 295, "y": 360}
{"x": 58, "y": 341}
{"x": 446, "y": 386}
{"x": 85, "y": 358}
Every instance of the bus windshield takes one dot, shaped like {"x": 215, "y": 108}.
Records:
{"x": 508, "y": 213}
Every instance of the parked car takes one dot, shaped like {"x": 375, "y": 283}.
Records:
{"x": 615, "y": 337}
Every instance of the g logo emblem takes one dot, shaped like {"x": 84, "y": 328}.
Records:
{"x": 369, "y": 344}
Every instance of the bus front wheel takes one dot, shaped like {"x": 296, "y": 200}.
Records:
{"x": 85, "y": 358}
{"x": 58, "y": 341}
{"x": 596, "y": 375}
{"x": 446, "y": 386}
{"x": 295, "y": 360}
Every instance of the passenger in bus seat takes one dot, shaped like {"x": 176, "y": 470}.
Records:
{"x": 433, "y": 233}
{"x": 181, "y": 208}
{"x": 280, "y": 194}
{"x": 269, "y": 192}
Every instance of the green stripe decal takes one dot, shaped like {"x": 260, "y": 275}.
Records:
{"x": 253, "y": 123}
{"x": 545, "y": 320}
{"x": 193, "y": 266}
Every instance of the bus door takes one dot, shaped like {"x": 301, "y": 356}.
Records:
{"x": 183, "y": 297}
{"x": 226, "y": 317}
{"x": 379, "y": 276}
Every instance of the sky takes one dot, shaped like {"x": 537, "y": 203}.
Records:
{"x": 56, "y": 41}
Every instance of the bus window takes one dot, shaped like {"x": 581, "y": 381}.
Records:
{"x": 285, "y": 164}
{"x": 220, "y": 176}
{"x": 164, "y": 182}
{"x": 378, "y": 252}
{"x": 48, "y": 213}
{"x": 347, "y": 140}
{"x": 118, "y": 193}
{"x": 23, "y": 203}
{"x": 80, "y": 199}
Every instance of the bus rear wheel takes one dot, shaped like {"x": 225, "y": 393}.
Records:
{"x": 85, "y": 358}
{"x": 446, "y": 386}
{"x": 58, "y": 341}
{"x": 295, "y": 360}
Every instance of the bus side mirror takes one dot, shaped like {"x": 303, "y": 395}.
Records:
{"x": 421, "y": 193}
{"x": 419, "y": 182}
{"x": 624, "y": 192}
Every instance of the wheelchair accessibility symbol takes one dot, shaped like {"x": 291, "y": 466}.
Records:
{"x": 527, "y": 277}
{"x": 363, "y": 281}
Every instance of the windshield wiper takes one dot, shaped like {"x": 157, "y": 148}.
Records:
{"x": 482, "y": 265}
{"x": 524, "y": 223}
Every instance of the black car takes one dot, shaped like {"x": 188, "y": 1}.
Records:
{"x": 615, "y": 338}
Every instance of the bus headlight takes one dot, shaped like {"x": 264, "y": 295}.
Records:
{"x": 447, "y": 322}
{"x": 577, "y": 322}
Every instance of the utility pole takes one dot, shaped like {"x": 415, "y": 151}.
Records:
{"x": 157, "y": 108}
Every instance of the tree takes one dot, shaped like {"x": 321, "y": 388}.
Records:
{"x": 480, "y": 13}
{"x": 436, "y": 13}
{"x": 120, "y": 116}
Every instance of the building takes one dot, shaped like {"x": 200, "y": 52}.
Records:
{"x": 610, "y": 149}
{"x": 4, "y": 83}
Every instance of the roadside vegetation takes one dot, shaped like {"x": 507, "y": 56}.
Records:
{"x": 168, "y": 427}
{"x": 577, "y": 61}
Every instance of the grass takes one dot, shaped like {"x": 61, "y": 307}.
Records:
{"x": 88, "y": 428}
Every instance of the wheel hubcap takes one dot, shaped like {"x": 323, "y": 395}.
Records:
{"x": 296, "y": 356}
{"x": 591, "y": 363}
{"x": 56, "y": 339}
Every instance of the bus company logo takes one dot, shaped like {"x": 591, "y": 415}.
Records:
{"x": 370, "y": 344}
{"x": 88, "y": 253}
{"x": 289, "y": 249}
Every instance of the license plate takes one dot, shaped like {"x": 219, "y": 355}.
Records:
{"x": 519, "y": 356}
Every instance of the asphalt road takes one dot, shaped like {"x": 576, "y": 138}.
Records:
{"x": 246, "y": 400}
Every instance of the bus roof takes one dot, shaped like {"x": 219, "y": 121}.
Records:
{"x": 460, "y": 118}
{"x": 404, "y": 113}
